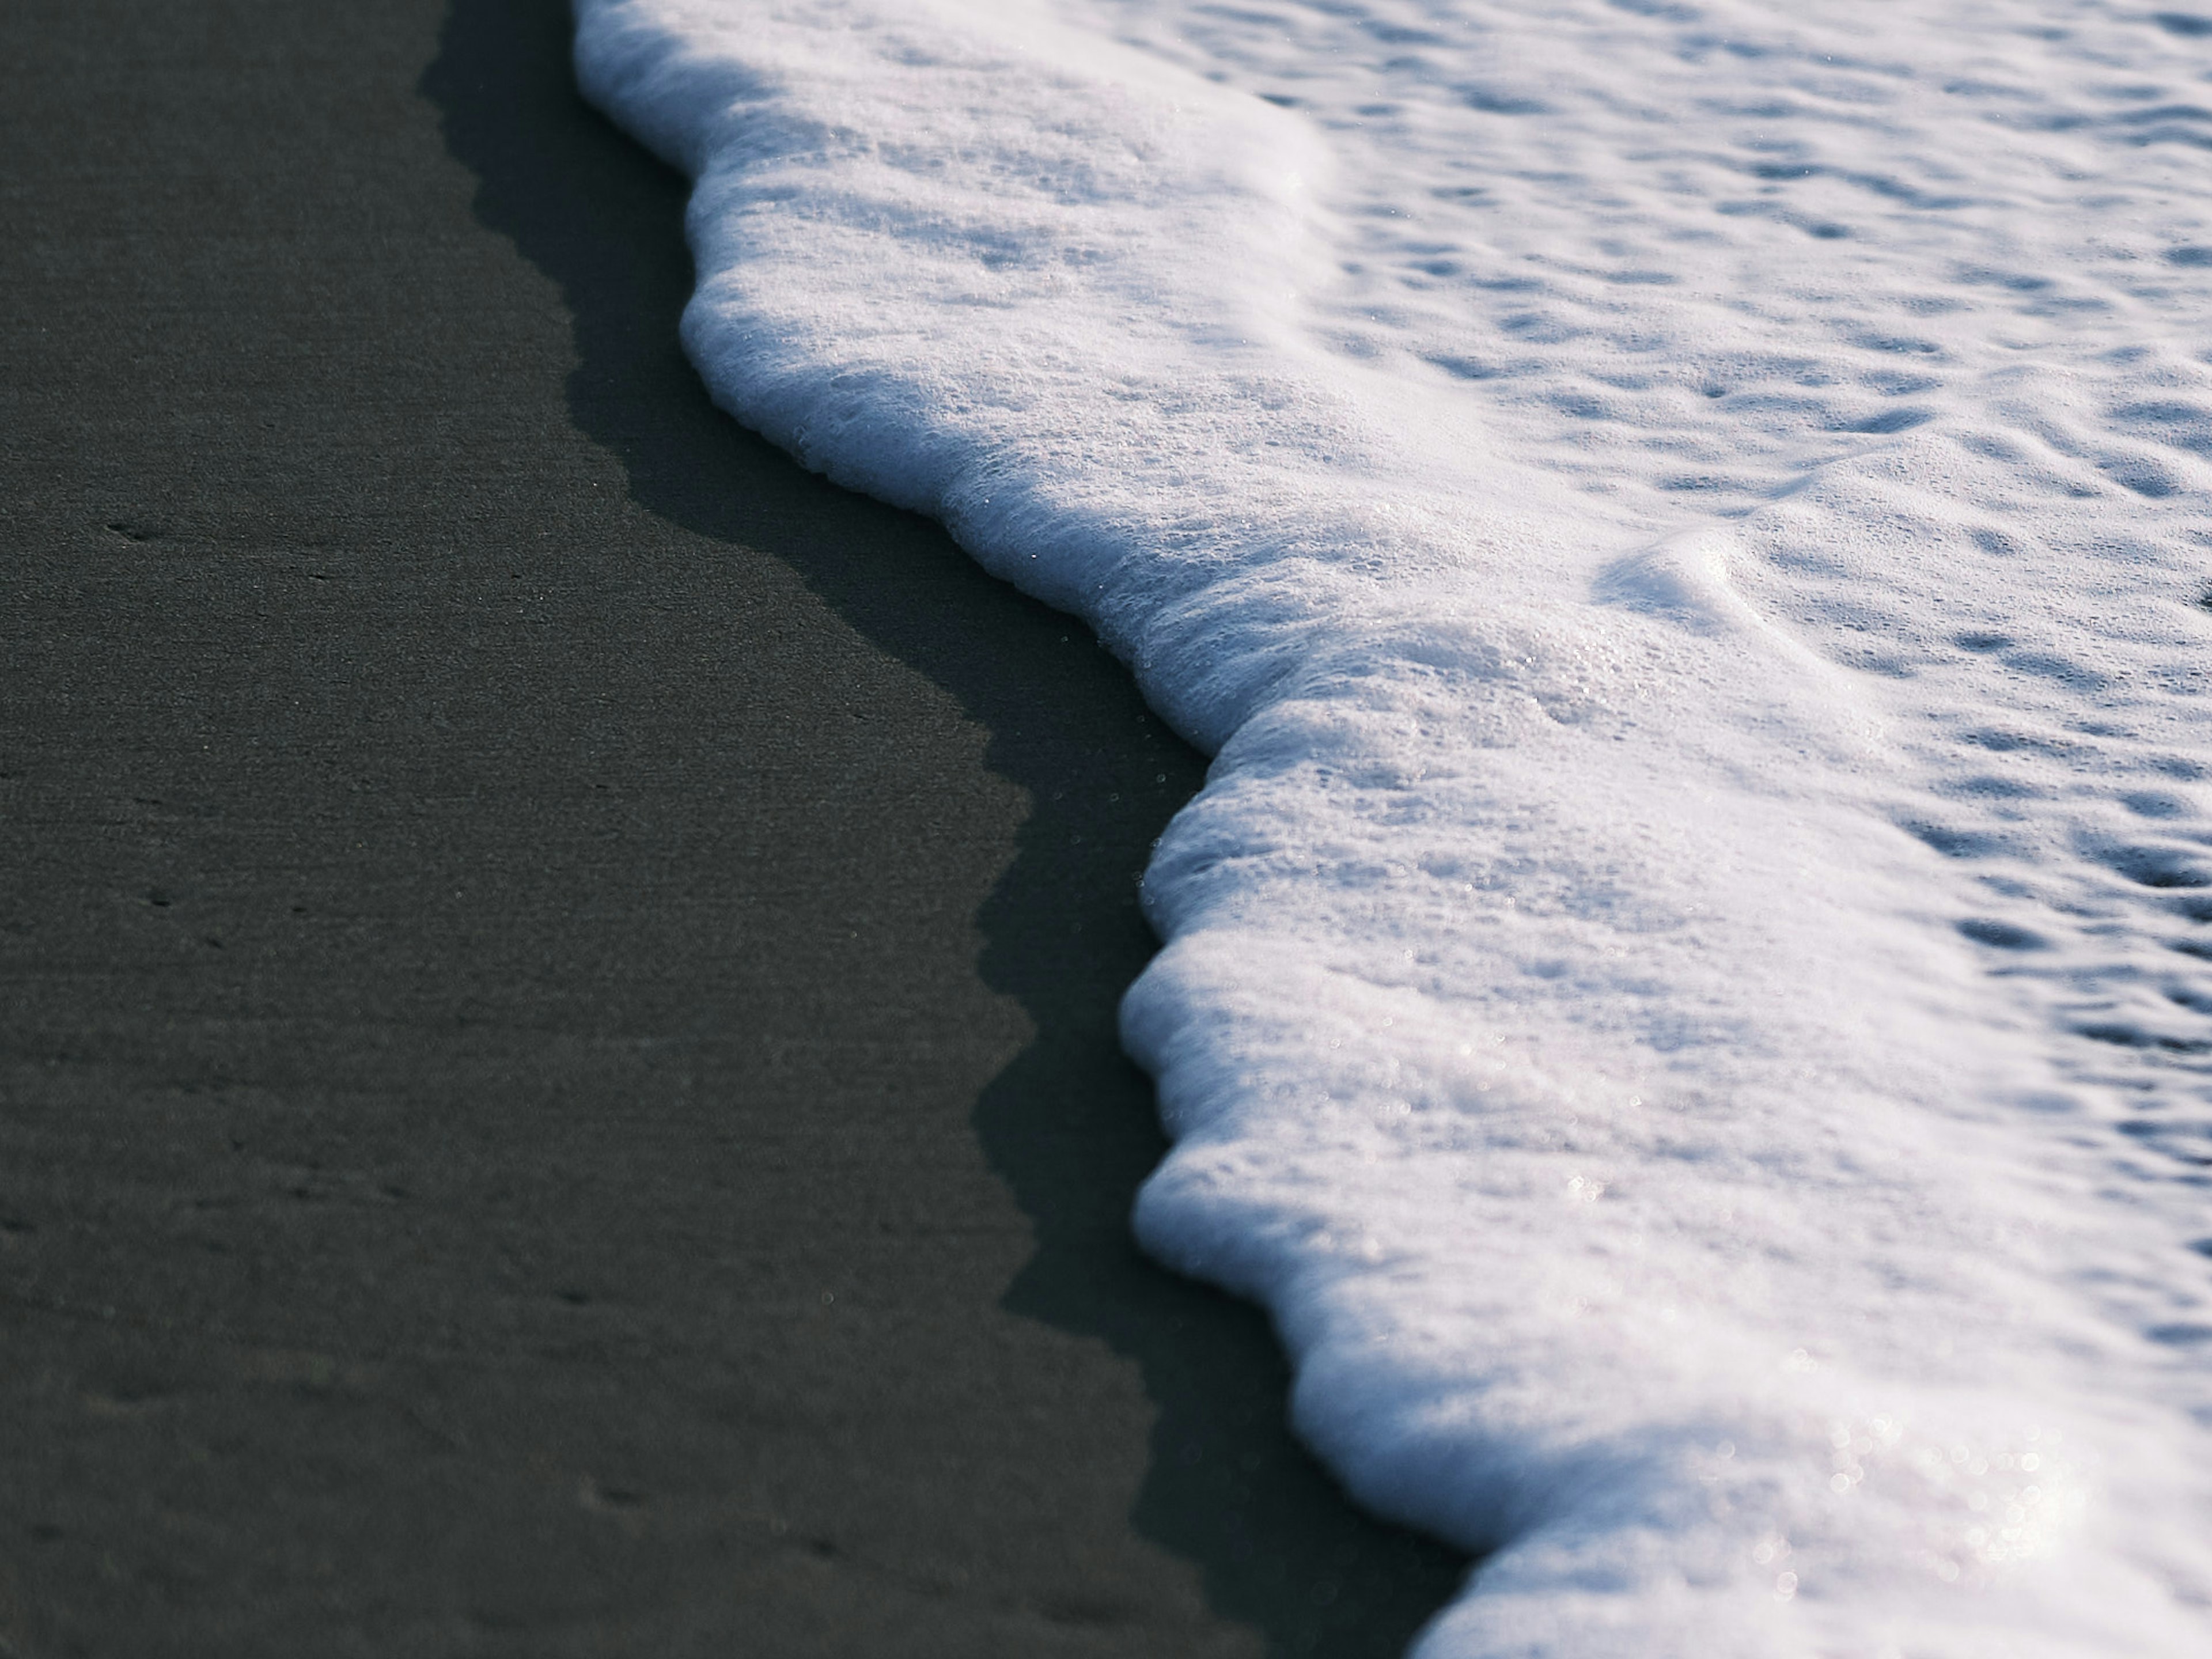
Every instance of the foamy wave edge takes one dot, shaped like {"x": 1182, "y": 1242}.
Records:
{"x": 1041, "y": 289}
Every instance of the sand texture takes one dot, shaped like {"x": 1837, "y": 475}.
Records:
{"x": 560, "y": 1092}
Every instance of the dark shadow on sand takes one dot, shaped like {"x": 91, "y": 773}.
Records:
{"x": 1069, "y": 1126}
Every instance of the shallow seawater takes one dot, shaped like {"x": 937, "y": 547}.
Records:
{"x": 1688, "y": 991}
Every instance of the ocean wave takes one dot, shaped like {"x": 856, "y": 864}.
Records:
{"x": 1682, "y": 528}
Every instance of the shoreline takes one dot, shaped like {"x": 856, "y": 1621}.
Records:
{"x": 558, "y": 1101}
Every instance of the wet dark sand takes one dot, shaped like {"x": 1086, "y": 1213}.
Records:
{"x": 560, "y": 1094}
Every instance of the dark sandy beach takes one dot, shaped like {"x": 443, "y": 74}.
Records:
{"x": 560, "y": 1093}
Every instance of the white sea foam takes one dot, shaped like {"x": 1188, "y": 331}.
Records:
{"x": 1685, "y": 990}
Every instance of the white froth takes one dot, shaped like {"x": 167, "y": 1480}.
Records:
{"x": 1683, "y": 526}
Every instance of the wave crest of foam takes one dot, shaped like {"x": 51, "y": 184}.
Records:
{"x": 1681, "y": 527}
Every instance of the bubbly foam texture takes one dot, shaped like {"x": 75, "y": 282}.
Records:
{"x": 1684, "y": 527}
